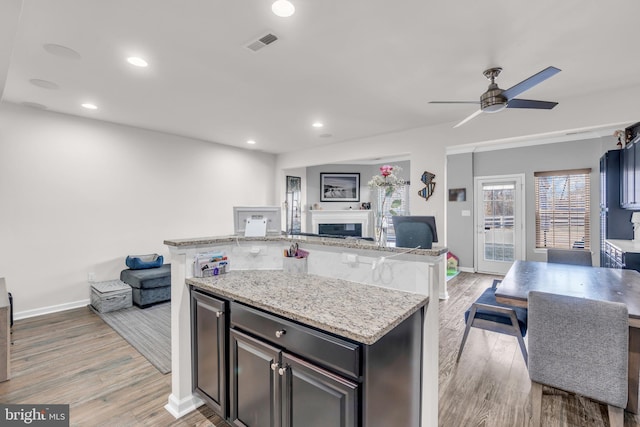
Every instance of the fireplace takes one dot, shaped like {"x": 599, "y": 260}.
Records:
{"x": 350, "y": 230}
{"x": 357, "y": 223}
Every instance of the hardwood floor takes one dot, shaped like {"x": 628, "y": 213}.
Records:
{"x": 74, "y": 358}
{"x": 490, "y": 385}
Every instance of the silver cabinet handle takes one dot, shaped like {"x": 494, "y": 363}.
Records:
{"x": 219, "y": 313}
{"x": 280, "y": 333}
{"x": 281, "y": 371}
{"x": 274, "y": 365}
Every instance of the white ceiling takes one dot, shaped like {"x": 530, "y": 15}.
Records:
{"x": 362, "y": 67}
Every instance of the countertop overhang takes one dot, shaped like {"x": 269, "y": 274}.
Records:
{"x": 363, "y": 313}
{"x": 312, "y": 240}
{"x": 631, "y": 246}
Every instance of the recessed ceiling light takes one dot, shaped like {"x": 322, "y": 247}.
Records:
{"x": 61, "y": 51}
{"x": 45, "y": 84}
{"x": 90, "y": 106}
{"x": 138, "y": 62}
{"x": 34, "y": 105}
{"x": 251, "y": 141}
{"x": 283, "y": 8}
{"x": 317, "y": 125}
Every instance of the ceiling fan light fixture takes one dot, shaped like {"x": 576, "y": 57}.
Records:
{"x": 492, "y": 100}
{"x": 283, "y": 8}
{"x": 494, "y": 108}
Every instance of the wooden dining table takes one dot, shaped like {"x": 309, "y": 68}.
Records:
{"x": 596, "y": 283}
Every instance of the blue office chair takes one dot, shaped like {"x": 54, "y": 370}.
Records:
{"x": 488, "y": 314}
{"x": 580, "y": 346}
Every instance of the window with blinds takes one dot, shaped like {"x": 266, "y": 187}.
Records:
{"x": 562, "y": 209}
{"x": 402, "y": 194}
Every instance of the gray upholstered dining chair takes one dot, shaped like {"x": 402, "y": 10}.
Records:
{"x": 579, "y": 346}
{"x": 569, "y": 256}
{"x": 488, "y": 314}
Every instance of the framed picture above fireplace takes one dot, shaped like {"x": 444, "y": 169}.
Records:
{"x": 339, "y": 187}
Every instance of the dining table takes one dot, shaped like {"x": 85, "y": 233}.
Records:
{"x": 597, "y": 283}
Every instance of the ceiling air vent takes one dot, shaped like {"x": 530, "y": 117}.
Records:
{"x": 262, "y": 42}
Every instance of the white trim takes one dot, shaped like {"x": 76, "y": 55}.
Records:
{"x": 467, "y": 269}
{"x": 460, "y": 149}
{"x": 179, "y": 408}
{"x": 537, "y": 139}
{"x": 51, "y": 309}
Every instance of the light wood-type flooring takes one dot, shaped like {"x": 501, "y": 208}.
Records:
{"x": 490, "y": 385}
{"x": 73, "y": 357}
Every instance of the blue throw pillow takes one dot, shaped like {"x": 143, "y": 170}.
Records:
{"x": 140, "y": 262}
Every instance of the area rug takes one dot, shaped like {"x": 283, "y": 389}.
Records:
{"x": 148, "y": 330}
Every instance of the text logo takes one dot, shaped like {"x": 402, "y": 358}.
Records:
{"x": 34, "y": 415}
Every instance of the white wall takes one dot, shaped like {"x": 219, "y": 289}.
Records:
{"x": 426, "y": 147}
{"x": 366, "y": 174}
{"x": 79, "y": 195}
{"x": 560, "y": 156}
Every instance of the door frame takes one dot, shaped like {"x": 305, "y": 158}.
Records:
{"x": 519, "y": 226}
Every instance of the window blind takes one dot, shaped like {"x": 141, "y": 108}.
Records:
{"x": 563, "y": 209}
{"x": 402, "y": 194}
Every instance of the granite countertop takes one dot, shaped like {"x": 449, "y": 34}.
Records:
{"x": 363, "y": 313}
{"x": 312, "y": 240}
{"x": 630, "y": 246}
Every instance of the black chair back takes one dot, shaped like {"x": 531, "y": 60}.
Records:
{"x": 411, "y": 234}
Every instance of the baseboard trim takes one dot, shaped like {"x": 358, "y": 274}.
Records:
{"x": 467, "y": 269}
{"x": 180, "y": 408}
{"x": 51, "y": 309}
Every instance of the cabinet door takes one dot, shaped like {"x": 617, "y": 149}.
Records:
{"x": 314, "y": 397}
{"x": 636, "y": 174}
{"x": 628, "y": 176}
{"x": 209, "y": 350}
{"x": 255, "y": 383}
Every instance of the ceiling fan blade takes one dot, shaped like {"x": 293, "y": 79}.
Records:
{"x": 468, "y": 118}
{"x": 529, "y": 103}
{"x": 526, "y": 84}
{"x": 454, "y": 102}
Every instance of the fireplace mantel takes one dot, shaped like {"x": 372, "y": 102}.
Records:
{"x": 364, "y": 217}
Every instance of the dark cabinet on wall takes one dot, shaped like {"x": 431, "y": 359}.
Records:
{"x": 627, "y": 187}
{"x": 615, "y": 222}
{"x": 630, "y": 169}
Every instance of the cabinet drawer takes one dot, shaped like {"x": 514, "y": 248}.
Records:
{"x": 340, "y": 355}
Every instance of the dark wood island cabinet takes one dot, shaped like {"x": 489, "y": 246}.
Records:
{"x": 257, "y": 367}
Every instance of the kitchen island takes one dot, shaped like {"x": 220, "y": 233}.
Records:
{"x": 413, "y": 274}
{"x": 293, "y": 339}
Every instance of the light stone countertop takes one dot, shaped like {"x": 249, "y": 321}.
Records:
{"x": 630, "y": 246}
{"x": 312, "y": 240}
{"x": 363, "y": 313}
